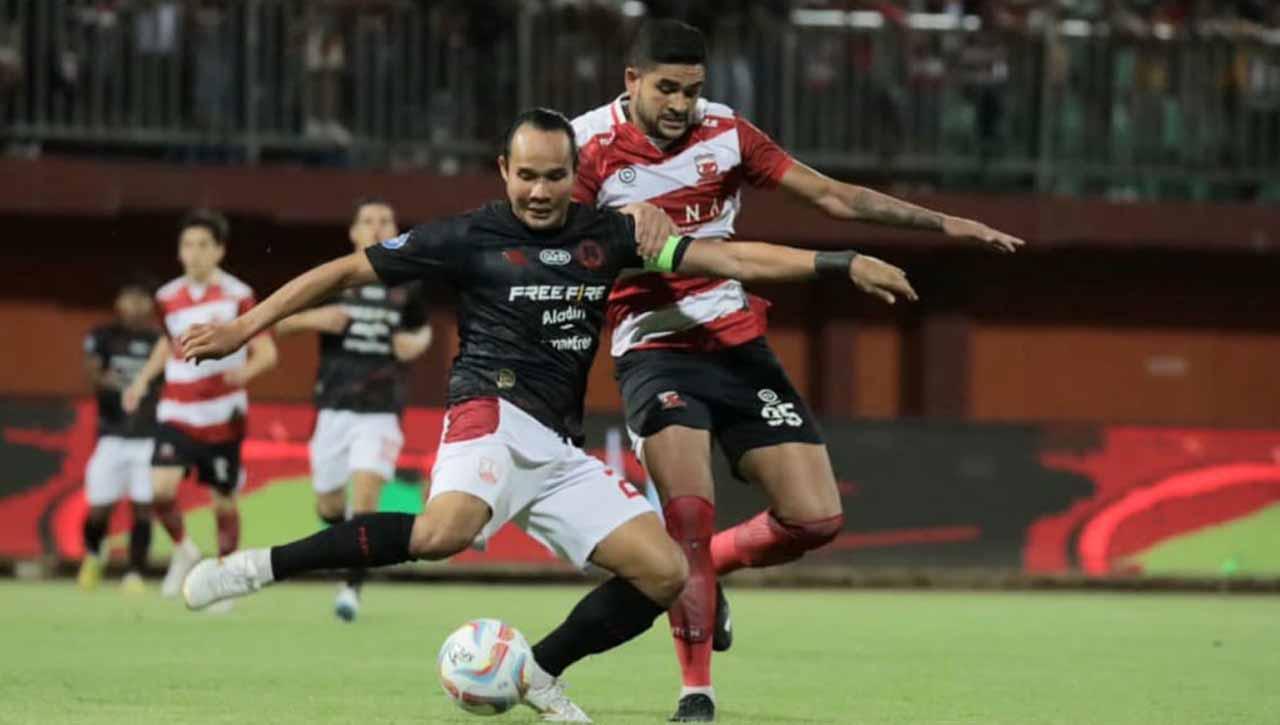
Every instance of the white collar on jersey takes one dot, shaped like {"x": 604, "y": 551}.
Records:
{"x": 197, "y": 290}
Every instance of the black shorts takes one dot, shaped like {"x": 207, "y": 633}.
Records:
{"x": 217, "y": 465}
{"x": 741, "y": 394}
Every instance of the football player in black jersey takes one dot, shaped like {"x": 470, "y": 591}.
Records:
{"x": 121, "y": 462}
{"x": 368, "y": 335}
{"x": 532, "y": 273}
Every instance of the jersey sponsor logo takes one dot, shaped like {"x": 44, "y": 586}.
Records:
{"x": 706, "y": 165}
{"x": 670, "y": 400}
{"x": 589, "y": 254}
{"x": 627, "y": 175}
{"x": 139, "y": 348}
{"x": 371, "y": 292}
{"x": 487, "y": 470}
{"x": 397, "y": 242}
{"x": 555, "y": 257}
{"x": 557, "y": 292}
{"x": 563, "y": 315}
{"x": 576, "y": 343}
{"x": 693, "y": 212}
{"x": 777, "y": 413}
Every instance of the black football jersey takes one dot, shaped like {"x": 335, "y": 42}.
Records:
{"x": 123, "y": 351}
{"x": 531, "y": 303}
{"x": 358, "y": 369}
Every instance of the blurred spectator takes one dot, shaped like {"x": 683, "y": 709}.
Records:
{"x": 213, "y": 58}
{"x": 155, "y": 38}
{"x": 11, "y": 65}
{"x": 325, "y": 61}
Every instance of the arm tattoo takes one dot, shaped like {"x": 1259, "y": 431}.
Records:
{"x": 872, "y": 206}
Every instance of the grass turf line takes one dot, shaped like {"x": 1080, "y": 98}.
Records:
{"x": 800, "y": 657}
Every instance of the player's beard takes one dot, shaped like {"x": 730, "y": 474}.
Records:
{"x": 653, "y": 128}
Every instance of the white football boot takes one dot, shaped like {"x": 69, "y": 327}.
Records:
{"x": 228, "y": 577}
{"x": 185, "y": 556}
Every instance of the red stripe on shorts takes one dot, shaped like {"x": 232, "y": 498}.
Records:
{"x": 470, "y": 420}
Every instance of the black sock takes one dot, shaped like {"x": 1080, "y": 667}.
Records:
{"x": 95, "y": 530}
{"x": 139, "y": 544}
{"x": 609, "y": 615}
{"x": 355, "y": 577}
{"x": 365, "y": 541}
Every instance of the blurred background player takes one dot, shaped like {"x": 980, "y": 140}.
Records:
{"x": 366, "y": 337}
{"x": 691, "y": 354}
{"x": 202, "y": 408}
{"x": 121, "y": 460}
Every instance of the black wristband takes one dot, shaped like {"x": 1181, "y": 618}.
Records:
{"x": 833, "y": 264}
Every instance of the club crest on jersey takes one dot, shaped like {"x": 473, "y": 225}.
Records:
{"x": 589, "y": 254}
{"x": 515, "y": 257}
{"x": 670, "y": 400}
{"x": 554, "y": 257}
{"x": 506, "y": 379}
{"x": 706, "y": 165}
{"x": 627, "y": 175}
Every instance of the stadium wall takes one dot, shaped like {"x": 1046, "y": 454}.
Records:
{"x": 1174, "y": 303}
{"x": 922, "y": 499}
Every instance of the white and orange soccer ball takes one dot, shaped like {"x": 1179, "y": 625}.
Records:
{"x": 484, "y": 666}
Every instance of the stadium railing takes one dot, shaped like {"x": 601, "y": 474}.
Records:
{"x": 1064, "y": 106}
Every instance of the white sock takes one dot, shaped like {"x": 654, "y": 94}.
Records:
{"x": 708, "y": 691}
{"x": 538, "y": 677}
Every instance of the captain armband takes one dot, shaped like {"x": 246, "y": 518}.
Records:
{"x": 668, "y": 260}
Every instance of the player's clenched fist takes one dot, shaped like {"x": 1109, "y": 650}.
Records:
{"x": 653, "y": 228}
{"x": 879, "y": 278}
{"x": 212, "y": 341}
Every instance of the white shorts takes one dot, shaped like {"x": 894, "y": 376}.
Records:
{"x": 119, "y": 466}
{"x": 550, "y": 488}
{"x": 345, "y": 441}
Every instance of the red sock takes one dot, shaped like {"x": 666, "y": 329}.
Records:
{"x": 763, "y": 540}
{"x": 691, "y": 521}
{"x": 228, "y": 531}
{"x": 170, "y": 518}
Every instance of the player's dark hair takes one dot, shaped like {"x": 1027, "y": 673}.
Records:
{"x": 364, "y": 201}
{"x": 209, "y": 219}
{"x": 667, "y": 41}
{"x": 543, "y": 119}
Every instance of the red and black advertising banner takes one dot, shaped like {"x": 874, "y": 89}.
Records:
{"x": 1031, "y": 499}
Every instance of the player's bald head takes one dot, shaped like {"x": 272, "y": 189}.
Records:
{"x": 548, "y": 124}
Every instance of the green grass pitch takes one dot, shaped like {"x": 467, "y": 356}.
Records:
{"x": 800, "y": 657}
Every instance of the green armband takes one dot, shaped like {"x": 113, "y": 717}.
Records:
{"x": 669, "y": 258}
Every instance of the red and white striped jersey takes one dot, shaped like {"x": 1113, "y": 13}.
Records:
{"x": 196, "y": 399}
{"x": 697, "y": 181}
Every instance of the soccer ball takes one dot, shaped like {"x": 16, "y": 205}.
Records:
{"x": 483, "y": 666}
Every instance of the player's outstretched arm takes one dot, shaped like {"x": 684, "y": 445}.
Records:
{"x": 761, "y": 262}
{"x": 137, "y": 390}
{"x": 330, "y": 318}
{"x": 209, "y": 342}
{"x": 858, "y": 203}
